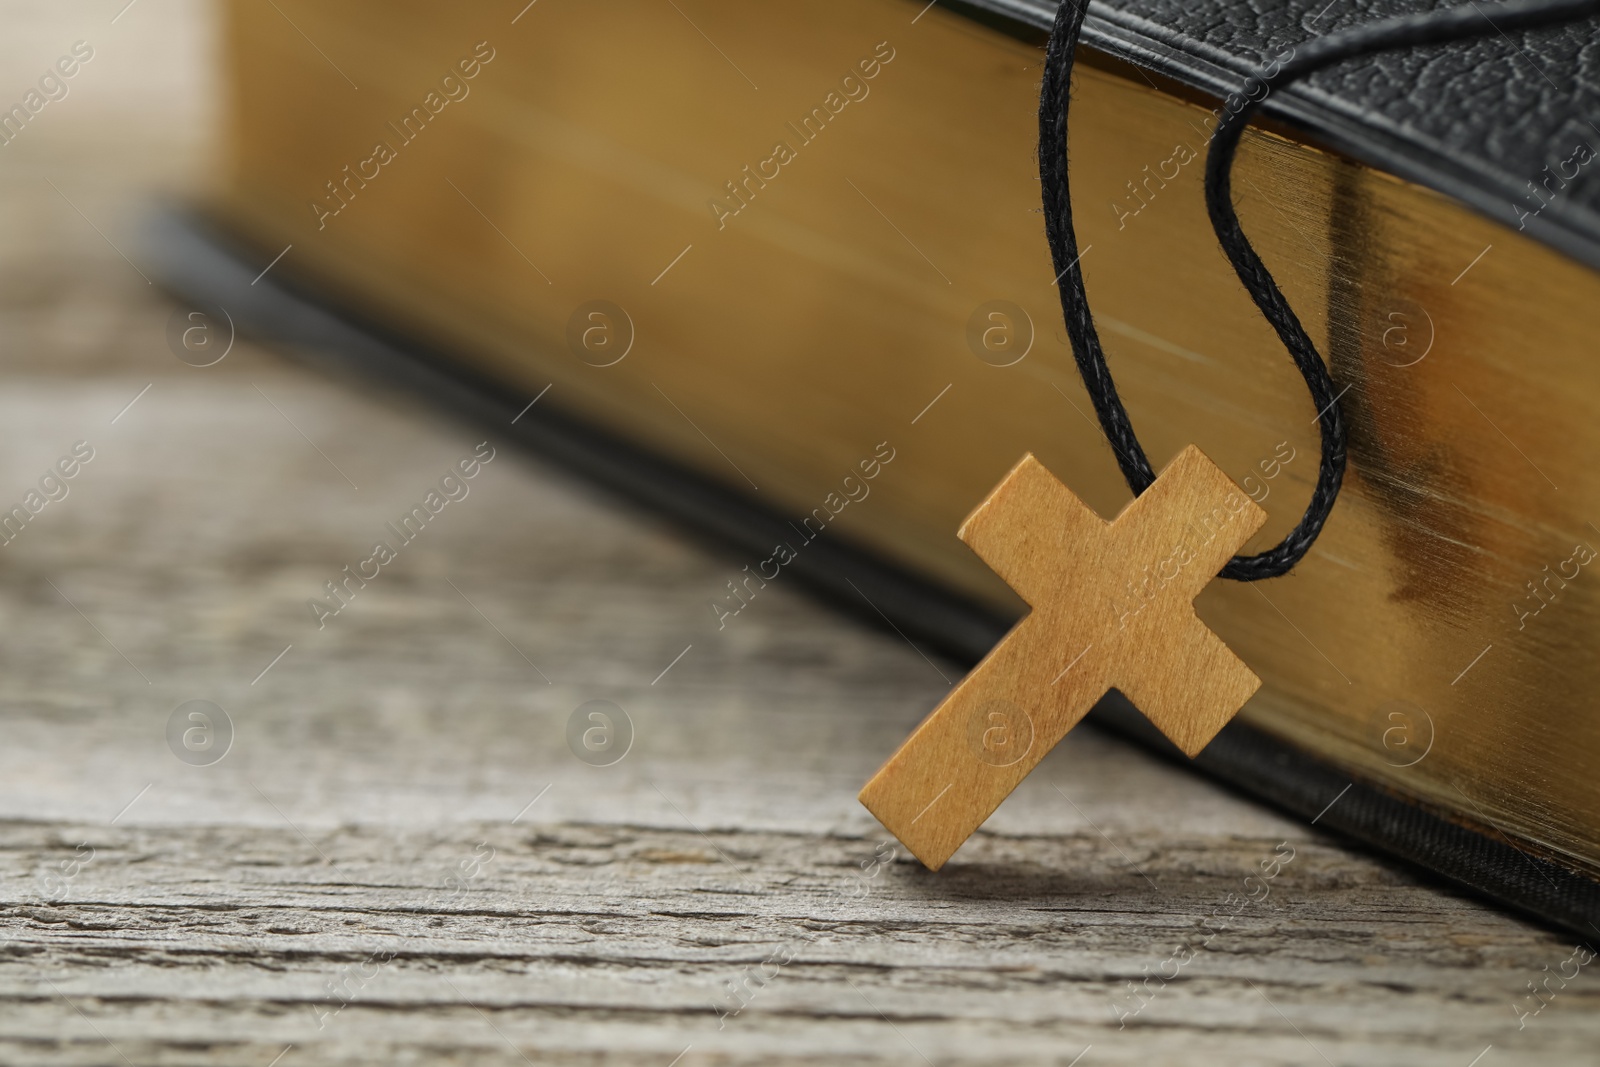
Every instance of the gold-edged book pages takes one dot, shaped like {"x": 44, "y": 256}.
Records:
{"x": 810, "y": 225}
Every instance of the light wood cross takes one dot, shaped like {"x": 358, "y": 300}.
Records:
{"x": 1112, "y": 606}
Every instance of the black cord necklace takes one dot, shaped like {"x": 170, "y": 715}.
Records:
{"x": 1433, "y": 27}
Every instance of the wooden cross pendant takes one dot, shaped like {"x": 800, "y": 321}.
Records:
{"x": 1111, "y": 607}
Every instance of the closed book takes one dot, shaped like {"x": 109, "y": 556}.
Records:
{"x": 781, "y": 271}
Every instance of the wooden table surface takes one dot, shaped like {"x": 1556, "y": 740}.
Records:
{"x": 401, "y": 859}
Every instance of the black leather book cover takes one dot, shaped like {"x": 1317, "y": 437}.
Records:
{"x": 1512, "y": 131}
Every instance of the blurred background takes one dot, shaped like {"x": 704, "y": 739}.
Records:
{"x": 220, "y": 499}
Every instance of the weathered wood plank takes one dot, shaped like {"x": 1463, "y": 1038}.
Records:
{"x": 234, "y": 942}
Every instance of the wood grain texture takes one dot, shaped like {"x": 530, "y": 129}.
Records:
{"x": 1111, "y": 605}
{"x": 305, "y": 896}
{"x": 618, "y": 944}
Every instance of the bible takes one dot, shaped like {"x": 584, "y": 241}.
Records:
{"x": 731, "y": 261}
